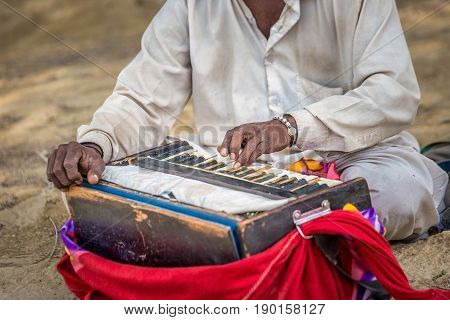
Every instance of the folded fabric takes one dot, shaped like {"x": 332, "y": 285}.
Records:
{"x": 315, "y": 167}
{"x": 294, "y": 268}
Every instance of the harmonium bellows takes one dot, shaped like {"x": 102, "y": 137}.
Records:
{"x": 135, "y": 227}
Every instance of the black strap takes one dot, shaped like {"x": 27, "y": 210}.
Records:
{"x": 328, "y": 245}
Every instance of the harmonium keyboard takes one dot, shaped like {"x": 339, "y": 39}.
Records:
{"x": 135, "y": 227}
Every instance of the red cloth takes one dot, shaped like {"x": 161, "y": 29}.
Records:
{"x": 293, "y": 268}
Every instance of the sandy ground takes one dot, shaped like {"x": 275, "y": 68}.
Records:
{"x": 47, "y": 90}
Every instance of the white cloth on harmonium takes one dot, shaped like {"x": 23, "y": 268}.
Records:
{"x": 188, "y": 191}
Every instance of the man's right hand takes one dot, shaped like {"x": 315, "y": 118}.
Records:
{"x": 69, "y": 162}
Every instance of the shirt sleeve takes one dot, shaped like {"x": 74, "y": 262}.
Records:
{"x": 385, "y": 93}
{"x": 150, "y": 92}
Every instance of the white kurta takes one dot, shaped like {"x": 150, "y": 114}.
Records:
{"x": 340, "y": 67}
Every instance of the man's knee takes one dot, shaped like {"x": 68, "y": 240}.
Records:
{"x": 403, "y": 215}
{"x": 403, "y": 204}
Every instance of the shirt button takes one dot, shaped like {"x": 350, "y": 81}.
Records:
{"x": 269, "y": 59}
{"x": 277, "y": 28}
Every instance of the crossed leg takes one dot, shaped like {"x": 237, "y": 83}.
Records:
{"x": 405, "y": 186}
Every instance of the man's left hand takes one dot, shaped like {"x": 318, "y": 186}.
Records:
{"x": 249, "y": 141}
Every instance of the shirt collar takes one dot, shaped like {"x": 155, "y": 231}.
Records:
{"x": 293, "y": 4}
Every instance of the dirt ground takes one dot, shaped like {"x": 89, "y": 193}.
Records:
{"x": 47, "y": 90}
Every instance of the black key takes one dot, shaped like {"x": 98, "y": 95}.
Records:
{"x": 246, "y": 173}
{"x": 270, "y": 176}
{"x": 275, "y": 183}
{"x": 179, "y": 158}
{"x": 173, "y": 152}
{"x": 207, "y": 164}
{"x": 237, "y": 171}
{"x": 289, "y": 184}
{"x": 219, "y": 166}
{"x": 198, "y": 160}
{"x": 307, "y": 189}
{"x": 187, "y": 160}
{"x": 192, "y": 161}
{"x": 299, "y": 183}
{"x": 310, "y": 188}
{"x": 165, "y": 148}
{"x": 256, "y": 177}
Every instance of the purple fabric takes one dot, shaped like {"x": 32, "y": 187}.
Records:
{"x": 67, "y": 233}
{"x": 359, "y": 271}
{"x": 372, "y": 217}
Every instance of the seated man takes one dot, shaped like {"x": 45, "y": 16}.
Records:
{"x": 338, "y": 72}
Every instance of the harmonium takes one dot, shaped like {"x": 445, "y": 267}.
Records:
{"x": 174, "y": 206}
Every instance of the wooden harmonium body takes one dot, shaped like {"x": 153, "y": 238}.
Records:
{"x": 135, "y": 227}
